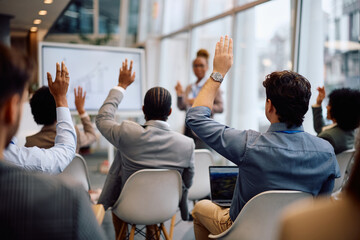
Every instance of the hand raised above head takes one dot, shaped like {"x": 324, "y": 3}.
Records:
{"x": 321, "y": 95}
{"x": 125, "y": 76}
{"x": 60, "y": 86}
{"x": 223, "y": 58}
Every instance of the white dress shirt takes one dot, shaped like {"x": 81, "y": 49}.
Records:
{"x": 53, "y": 160}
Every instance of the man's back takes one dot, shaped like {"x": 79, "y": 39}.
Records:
{"x": 35, "y": 206}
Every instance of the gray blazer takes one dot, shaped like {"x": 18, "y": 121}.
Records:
{"x": 341, "y": 140}
{"x": 153, "y": 145}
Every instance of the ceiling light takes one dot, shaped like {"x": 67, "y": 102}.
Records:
{"x": 33, "y": 29}
{"x": 42, "y": 12}
{"x": 48, "y": 1}
{"x": 37, "y": 21}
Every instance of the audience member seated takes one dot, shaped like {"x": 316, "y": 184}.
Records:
{"x": 34, "y": 205}
{"x": 43, "y": 109}
{"x": 152, "y": 145}
{"x": 283, "y": 158}
{"x": 343, "y": 111}
{"x": 326, "y": 219}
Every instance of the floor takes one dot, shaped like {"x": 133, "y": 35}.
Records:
{"x": 183, "y": 229}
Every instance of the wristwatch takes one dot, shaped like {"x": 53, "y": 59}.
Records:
{"x": 217, "y": 77}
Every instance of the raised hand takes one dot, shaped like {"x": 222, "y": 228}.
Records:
{"x": 223, "y": 58}
{"x": 125, "y": 76}
{"x": 60, "y": 86}
{"x": 179, "y": 89}
{"x": 80, "y": 100}
{"x": 321, "y": 95}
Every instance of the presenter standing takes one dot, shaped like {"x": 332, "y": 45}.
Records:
{"x": 186, "y": 98}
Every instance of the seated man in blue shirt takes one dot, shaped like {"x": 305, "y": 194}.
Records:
{"x": 285, "y": 157}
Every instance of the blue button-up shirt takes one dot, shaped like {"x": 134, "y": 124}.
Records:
{"x": 280, "y": 159}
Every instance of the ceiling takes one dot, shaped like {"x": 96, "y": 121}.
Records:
{"x": 24, "y": 12}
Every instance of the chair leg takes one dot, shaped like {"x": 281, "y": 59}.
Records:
{"x": 172, "y": 224}
{"x": 123, "y": 231}
{"x": 132, "y": 233}
{"x": 167, "y": 237}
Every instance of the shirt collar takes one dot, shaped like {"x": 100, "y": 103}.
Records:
{"x": 158, "y": 123}
{"x": 201, "y": 83}
{"x": 282, "y": 127}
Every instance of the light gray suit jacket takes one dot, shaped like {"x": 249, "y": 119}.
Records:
{"x": 340, "y": 140}
{"x": 153, "y": 145}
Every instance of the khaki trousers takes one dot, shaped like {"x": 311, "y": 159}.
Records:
{"x": 210, "y": 218}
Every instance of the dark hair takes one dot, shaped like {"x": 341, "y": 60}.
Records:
{"x": 203, "y": 53}
{"x": 345, "y": 107}
{"x": 43, "y": 106}
{"x": 290, "y": 93}
{"x": 353, "y": 184}
{"x": 15, "y": 72}
{"x": 157, "y": 104}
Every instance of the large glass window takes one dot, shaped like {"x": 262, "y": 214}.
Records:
{"x": 109, "y": 11}
{"x": 263, "y": 45}
{"x": 176, "y": 15}
{"x": 203, "y": 9}
{"x": 150, "y": 20}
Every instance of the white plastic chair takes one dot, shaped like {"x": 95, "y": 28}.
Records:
{"x": 78, "y": 170}
{"x": 149, "y": 196}
{"x": 259, "y": 218}
{"x": 344, "y": 160}
{"x": 201, "y": 181}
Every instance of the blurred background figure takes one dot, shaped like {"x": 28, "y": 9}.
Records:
{"x": 43, "y": 108}
{"x": 185, "y": 99}
{"x": 343, "y": 110}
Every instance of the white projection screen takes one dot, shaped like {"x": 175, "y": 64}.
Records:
{"x": 96, "y": 70}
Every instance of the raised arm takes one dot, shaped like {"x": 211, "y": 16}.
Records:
{"x": 53, "y": 160}
{"x": 318, "y": 119}
{"x": 105, "y": 120}
{"x": 87, "y": 136}
{"x": 223, "y": 60}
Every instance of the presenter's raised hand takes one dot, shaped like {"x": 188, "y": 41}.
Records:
{"x": 60, "y": 86}
{"x": 80, "y": 100}
{"x": 223, "y": 58}
{"x": 125, "y": 76}
{"x": 179, "y": 89}
{"x": 321, "y": 95}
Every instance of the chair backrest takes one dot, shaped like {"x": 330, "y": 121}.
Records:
{"x": 149, "y": 196}
{"x": 201, "y": 181}
{"x": 78, "y": 171}
{"x": 259, "y": 218}
{"x": 344, "y": 160}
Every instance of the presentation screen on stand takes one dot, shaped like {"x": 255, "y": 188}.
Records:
{"x": 96, "y": 70}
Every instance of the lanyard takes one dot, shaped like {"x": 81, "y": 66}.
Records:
{"x": 290, "y": 131}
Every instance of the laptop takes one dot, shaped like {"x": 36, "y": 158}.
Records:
{"x": 222, "y": 184}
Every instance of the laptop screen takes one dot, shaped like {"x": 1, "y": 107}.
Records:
{"x": 222, "y": 182}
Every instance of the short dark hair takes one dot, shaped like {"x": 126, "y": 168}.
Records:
{"x": 290, "y": 93}
{"x": 43, "y": 106}
{"x": 15, "y": 72}
{"x": 345, "y": 107}
{"x": 157, "y": 104}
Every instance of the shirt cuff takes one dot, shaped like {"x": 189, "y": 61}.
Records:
{"x": 118, "y": 88}
{"x": 63, "y": 114}
{"x": 84, "y": 115}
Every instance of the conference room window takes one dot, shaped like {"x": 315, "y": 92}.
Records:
{"x": 263, "y": 45}
{"x": 150, "y": 19}
{"x": 204, "y": 9}
{"x": 176, "y": 15}
{"x": 109, "y": 11}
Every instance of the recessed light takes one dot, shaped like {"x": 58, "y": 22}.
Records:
{"x": 37, "y": 21}
{"x": 42, "y": 12}
{"x": 33, "y": 29}
{"x": 48, "y": 1}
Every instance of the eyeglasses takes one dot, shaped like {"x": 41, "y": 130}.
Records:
{"x": 198, "y": 65}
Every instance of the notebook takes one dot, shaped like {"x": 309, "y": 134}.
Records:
{"x": 222, "y": 184}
